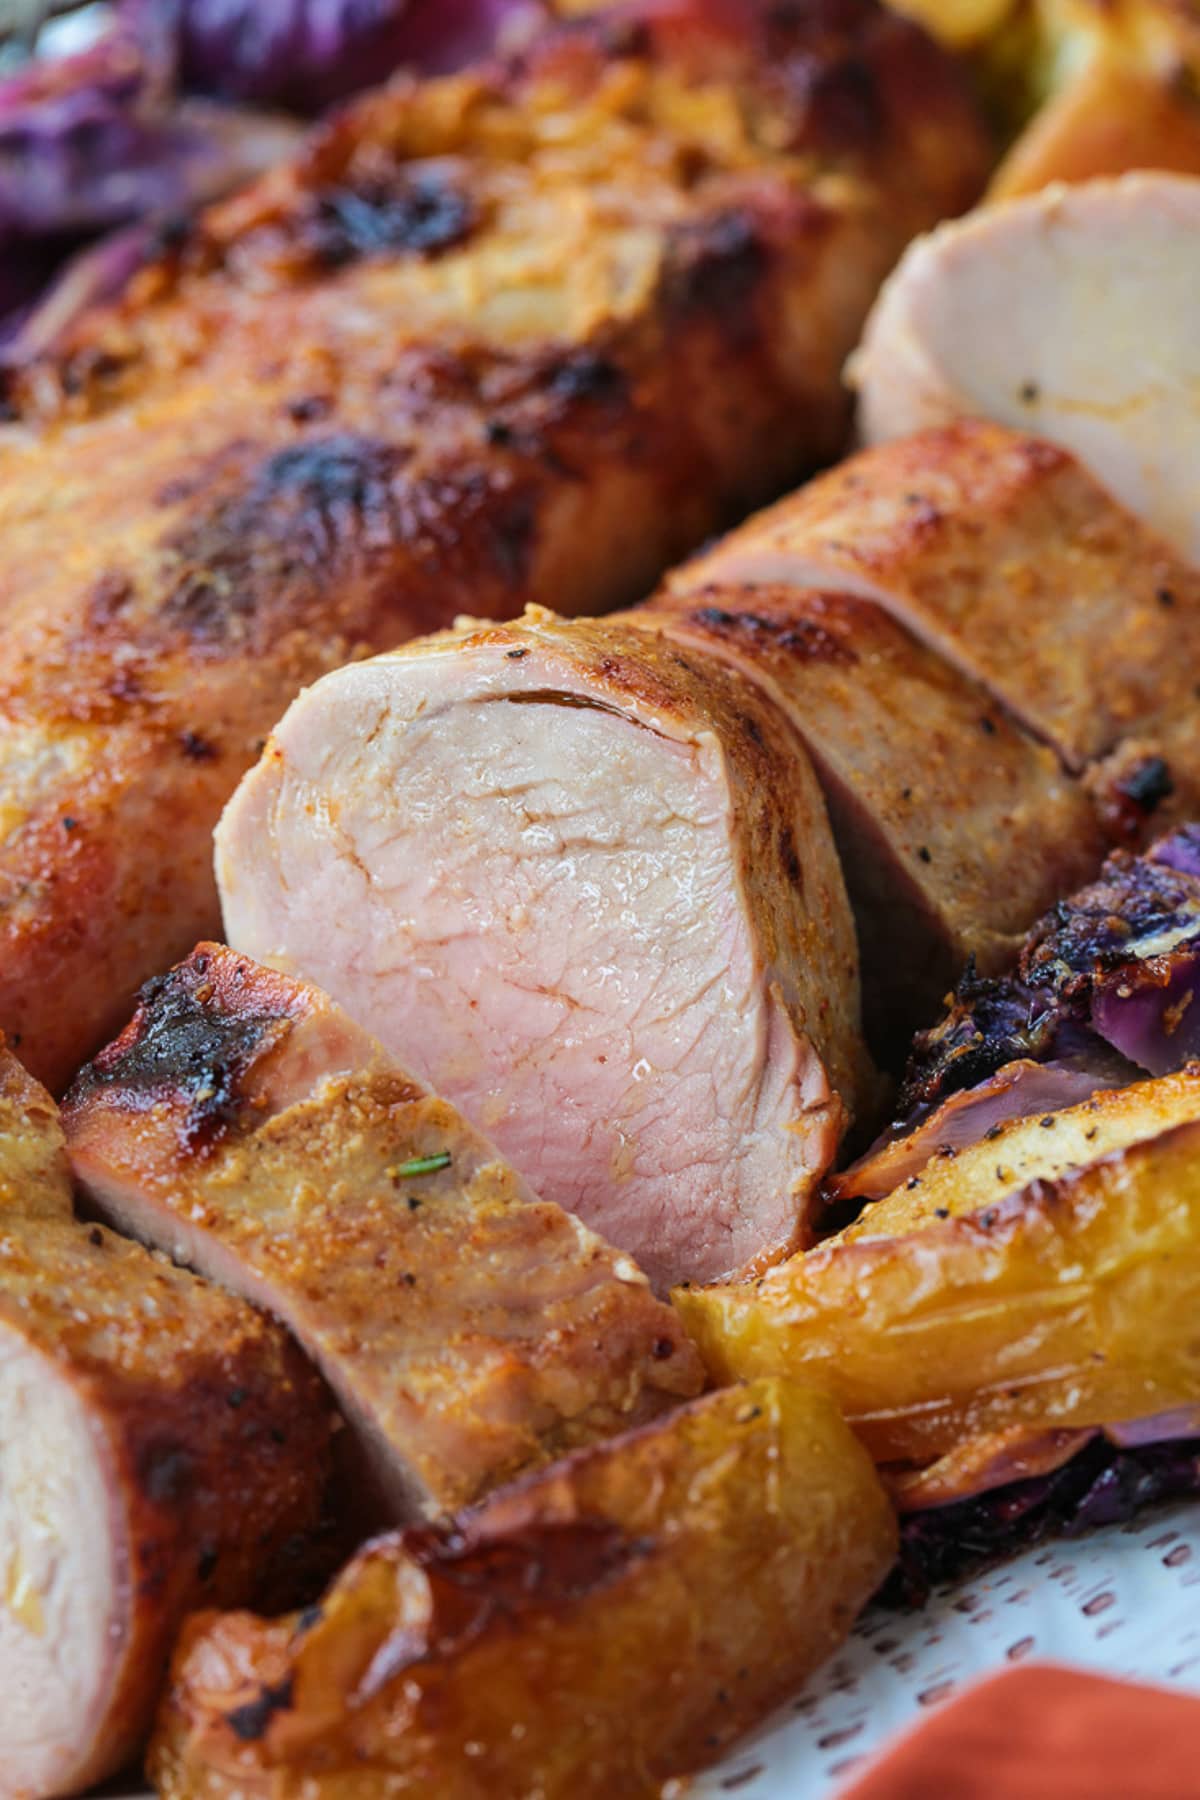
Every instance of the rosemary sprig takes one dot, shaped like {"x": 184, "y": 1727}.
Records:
{"x": 422, "y": 1165}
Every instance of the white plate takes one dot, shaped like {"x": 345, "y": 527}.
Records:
{"x": 1122, "y": 1601}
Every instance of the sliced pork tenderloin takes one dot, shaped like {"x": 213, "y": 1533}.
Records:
{"x": 585, "y": 881}
{"x": 244, "y": 1125}
{"x": 525, "y": 333}
{"x": 1005, "y": 556}
{"x": 161, "y": 1446}
{"x": 1070, "y": 313}
{"x": 954, "y": 827}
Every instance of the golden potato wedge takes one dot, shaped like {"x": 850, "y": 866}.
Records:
{"x": 587, "y": 1633}
{"x": 1040, "y": 1147}
{"x": 1086, "y": 87}
{"x": 1111, "y": 117}
{"x": 1069, "y": 1303}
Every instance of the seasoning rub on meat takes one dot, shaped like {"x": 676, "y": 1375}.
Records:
{"x": 162, "y": 1447}
{"x": 524, "y": 334}
{"x": 468, "y": 1329}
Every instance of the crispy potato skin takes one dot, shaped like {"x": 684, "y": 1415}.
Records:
{"x": 1070, "y": 1303}
{"x": 528, "y": 333}
{"x": 631, "y": 1611}
{"x": 1032, "y": 1148}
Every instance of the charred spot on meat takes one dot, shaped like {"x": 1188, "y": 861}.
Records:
{"x": 716, "y": 267}
{"x": 174, "y": 1046}
{"x": 805, "y": 638}
{"x": 308, "y": 507}
{"x": 421, "y": 210}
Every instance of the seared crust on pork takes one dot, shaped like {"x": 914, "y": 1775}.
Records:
{"x": 527, "y": 333}
{"x": 35, "y": 1176}
{"x": 468, "y": 1329}
{"x": 163, "y": 1447}
{"x": 1003, "y": 554}
{"x": 954, "y": 827}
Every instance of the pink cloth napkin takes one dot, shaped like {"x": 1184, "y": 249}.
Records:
{"x": 1045, "y": 1733}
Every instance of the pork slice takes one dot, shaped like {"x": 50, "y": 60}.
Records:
{"x": 1113, "y": 114}
{"x": 1003, "y": 554}
{"x": 160, "y": 1444}
{"x": 954, "y": 828}
{"x": 1069, "y": 313}
{"x": 525, "y": 333}
{"x": 243, "y": 1124}
{"x": 585, "y": 881}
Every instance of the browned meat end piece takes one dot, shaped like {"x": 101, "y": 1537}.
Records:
{"x": 525, "y": 334}
{"x": 1069, "y": 313}
{"x": 468, "y": 1329}
{"x": 586, "y": 882}
{"x": 590, "y": 1632}
{"x": 1012, "y": 562}
{"x": 954, "y": 827}
{"x": 161, "y": 1447}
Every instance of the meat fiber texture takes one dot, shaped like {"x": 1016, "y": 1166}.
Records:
{"x": 1069, "y": 313}
{"x": 584, "y": 870}
{"x": 585, "y": 882}
{"x": 162, "y": 1446}
{"x": 521, "y": 334}
{"x": 469, "y": 1330}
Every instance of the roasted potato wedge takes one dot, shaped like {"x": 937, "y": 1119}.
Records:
{"x": 586, "y": 1633}
{"x": 1071, "y": 1302}
{"x": 1084, "y": 87}
{"x": 1040, "y": 1147}
{"x": 1111, "y": 117}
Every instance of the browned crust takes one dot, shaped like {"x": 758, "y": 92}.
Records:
{"x": 1010, "y": 560}
{"x": 215, "y": 1431}
{"x": 35, "y": 1177}
{"x": 524, "y": 334}
{"x": 477, "y": 1330}
{"x": 954, "y": 828}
